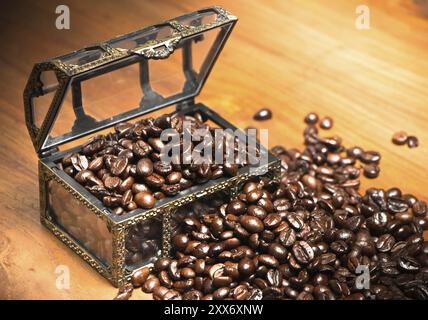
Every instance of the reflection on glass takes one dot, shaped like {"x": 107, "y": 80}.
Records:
{"x": 141, "y": 37}
{"x": 198, "y": 19}
{"x": 143, "y": 243}
{"x": 91, "y": 232}
{"x": 83, "y": 56}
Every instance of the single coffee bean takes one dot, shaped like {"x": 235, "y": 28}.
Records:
{"x": 412, "y": 142}
{"x": 139, "y": 277}
{"x": 246, "y": 266}
{"x": 263, "y": 114}
{"x": 400, "y": 138}
{"x": 303, "y": 252}
{"x": 370, "y": 157}
{"x": 236, "y": 207}
{"x": 311, "y": 118}
{"x": 144, "y": 200}
{"x": 251, "y": 224}
{"x": 174, "y": 177}
{"x": 326, "y": 123}
{"x": 144, "y": 167}
{"x": 154, "y": 180}
{"x": 119, "y": 166}
{"x": 371, "y": 171}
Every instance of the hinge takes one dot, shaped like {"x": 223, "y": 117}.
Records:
{"x": 48, "y": 152}
{"x": 185, "y": 104}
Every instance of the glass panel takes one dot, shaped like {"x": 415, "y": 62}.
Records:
{"x": 80, "y": 222}
{"x": 199, "y": 18}
{"x": 83, "y": 56}
{"x": 166, "y": 75}
{"x": 140, "y": 37}
{"x": 136, "y": 86}
{"x": 143, "y": 243}
{"x": 197, "y": 210}
{"x": 103, "y": 96}
{"x": 41, "y": 104}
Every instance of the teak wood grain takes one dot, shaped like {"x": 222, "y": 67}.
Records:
{"x": 291, "y": 56}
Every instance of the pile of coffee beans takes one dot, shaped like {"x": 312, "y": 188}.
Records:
{"x": 308, "y": 235}
{"x": 124, "y": 169}
{"x": 401, "y": 138}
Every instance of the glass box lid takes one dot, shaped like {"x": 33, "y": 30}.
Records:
{"x": 88, "y": 90}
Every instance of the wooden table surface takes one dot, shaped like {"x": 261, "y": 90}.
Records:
{"x": 293, "y": 56}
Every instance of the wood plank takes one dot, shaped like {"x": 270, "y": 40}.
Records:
{"x": 292, "y": 56}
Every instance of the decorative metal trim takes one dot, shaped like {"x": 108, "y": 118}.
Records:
{"x": 158, "y": 51}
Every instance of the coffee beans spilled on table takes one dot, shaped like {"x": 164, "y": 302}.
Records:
{"x": 308, "y": 235}
{"x": 124, "y": 169}
{"x": 402, "y": 138}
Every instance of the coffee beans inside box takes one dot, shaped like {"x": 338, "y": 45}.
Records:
{"x": 112, "y": 199}
{"x": 124, "y": 168}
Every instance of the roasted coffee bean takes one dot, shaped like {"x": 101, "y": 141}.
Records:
{"x": 162, "y": 264}
{"x": 112, "y": 183}
{"x": 371, "y": 171}
{"x": 385, "y": 243}
{"x": 278, "y": 251}
{"x": 263, "y": 114}
{"x": 151, "y": 284}
{"x": 118, "y": 166}
{"x": 419, "y": 208}
{"x": 144, "y": 200}
{"x": 154, "y": 180}
{"x": 400, "y": 138}
{"x": 370, "y": 157}
{"x": 287, "y": 238}
{"x": 246, "y": 266}
{"x": 326, "y": 123}
{"x": 124, "y": 292}
{"x": 311, "y": 118}
{"x": 303, "y": 252}
{"x": 144, "y": 167}
{"x": 412, "y": 142}
{"x": 251, "y": 224}
{"x": 236, "y": 207}
{"x": 139, "y": 277}
{"x": 268, "y": 260}
{"x": 174, "y": 177}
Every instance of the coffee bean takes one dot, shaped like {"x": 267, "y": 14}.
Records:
{"x": 154, "y": 180}
{"x": 400, "y": 138}
{"x": 112, "y": 183}
{"x": 311, "y": 118}
{"x": 236, "y": 207}
{"x": 371, "y": 171}
{"x": 370, "y": 157}
{"x": 119, "y": 166}
{"x": 287, "y": 238}
{"x": 303, "y": 252}
{"x": 180, "y": 241}
{"x": 150, "y": 285}
{"x": 326, "y": 123}
{"x": 412, "y": 142}
{"x": 268, "y": 260}
{"x": 144, "y": 200}
{"x": 139, "y": 277}
{"x": 262, "y": 114}
{"x": 251, "y": 224}
{"x": 419, "y": 208}
{"x": 144, "y": 167}
{"x": 246, "y": 266}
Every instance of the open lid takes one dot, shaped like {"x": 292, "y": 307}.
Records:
{"x": 88, "y": 90}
